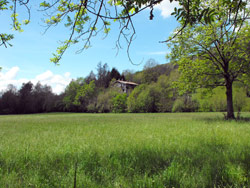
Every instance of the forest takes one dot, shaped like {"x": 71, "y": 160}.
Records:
{"x": 97, "y": 93}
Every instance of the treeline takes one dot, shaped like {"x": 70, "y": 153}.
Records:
{"x": 97, "y": 93}
{"x": 30, "y": 99}
{"x": 79, "y": 96}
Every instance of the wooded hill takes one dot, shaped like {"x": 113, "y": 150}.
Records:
{"x": 97, "y": 93}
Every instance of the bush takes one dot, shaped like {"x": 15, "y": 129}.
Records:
{"x": 203, "y": 98}
{"x": 218, "y": 100}
{"x": 92, "y": 108}
{"x": 185, "y": 104}
{"x": 133, "y": 102}
{"x": 105, "y": 99}
{"x": 178, "y": 105}
{"x": 239, "y": 99}
{"x": 119, "y": 103}
{"x": 167, "y": 93}
{"x": 246, "y": 107}
{"x": 211, "y": 100}
{"x": 144, "y": 98}
{"x": 104, "y": 102}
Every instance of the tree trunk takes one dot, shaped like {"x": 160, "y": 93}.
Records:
{"x": 229, "y": 93}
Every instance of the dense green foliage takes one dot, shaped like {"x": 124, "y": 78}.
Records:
{"x": 124, "y": 150}
{"x": 119, "y": 103}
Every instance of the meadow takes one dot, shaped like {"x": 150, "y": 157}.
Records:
{"x": 124, "y": 150}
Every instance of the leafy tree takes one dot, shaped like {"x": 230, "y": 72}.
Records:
{"x": 103, "y": 75}
{"x": 59, "y": 105}
{"x": 185, "y": 103}
{"x": 168, "y": 94}
{"x": 216, "y": 54}
{"x": 85, "y": 94}
{"x": 79, "y": 95}
{"x": 9, "y": 101}
{"x": 134, "y": 105}
{"x": 90, "y": 77}
{"x": 16, "y": 24}
{"x": 104, "y": 100}
{"x": 150, "y": 64}
{"x": 26, "y": 98}
{"x": 43, "y": 98}
{"x": 149, "y": 75}
{"x": 138, "y": 78}
{"x": 129, "y": 75}
{"x": 70, "y": 94}
{"x": 144, "y": 98}
{"x": 115, "y": 74}
{"x": 150, "y": 98}
{"x": 119, "y": 103}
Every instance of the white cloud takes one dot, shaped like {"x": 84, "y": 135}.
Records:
{"x": 154, "y": 53}
{"x": 157, "y": 53}
{"x": 9, "y": 75}
{"x": 44, "y": 76}
{"x": 56, "y": 81}
{"x": 58, "y": 88}
{"x": 166, "y": 7}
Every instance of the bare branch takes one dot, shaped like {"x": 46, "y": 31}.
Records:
{"x": 94, "y": 27}
{"x": 184, "y": 25}
{"x": 83, "y": 4}
{"x": 211, "y": 55}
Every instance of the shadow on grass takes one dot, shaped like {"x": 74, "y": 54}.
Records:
{"x": 222, "y": 118}
{"x": 244, "y": 119}
{"x": 204, "y": 165}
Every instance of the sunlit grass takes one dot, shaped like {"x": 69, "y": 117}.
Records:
{"x": 124, "y": 150}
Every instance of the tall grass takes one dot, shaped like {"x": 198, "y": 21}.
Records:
{"x": 124, "y": 150}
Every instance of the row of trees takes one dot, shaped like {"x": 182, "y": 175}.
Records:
{"x": 79, "y": 96}
{"x": 96, "y": 94}
{"x": 30, "y": 99}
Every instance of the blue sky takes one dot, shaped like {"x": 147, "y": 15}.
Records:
{"x": 28, "y": 59}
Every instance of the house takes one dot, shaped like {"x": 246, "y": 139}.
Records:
{"x": 125, "y": 86}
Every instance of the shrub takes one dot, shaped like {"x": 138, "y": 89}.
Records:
{"x": 211, "y": 100}
{"x": 134, "y": 104}
{"x": 119, "y": 103}
{"x": 144, "y": 98}
{"x": 104, "y": 102}
{"x": 185, "y": 104}
{"x": 239, "y": 99}
{"x": 218, "y": 100}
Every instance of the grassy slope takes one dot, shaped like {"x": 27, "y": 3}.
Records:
{"x": 124, "y": 150}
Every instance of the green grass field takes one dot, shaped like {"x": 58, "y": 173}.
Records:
{"x": 124, "y": 150}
